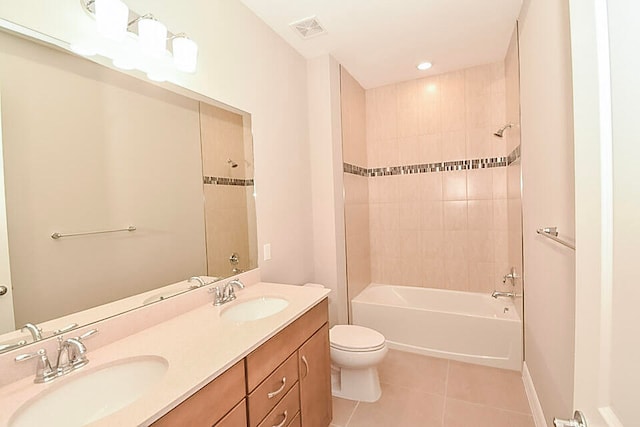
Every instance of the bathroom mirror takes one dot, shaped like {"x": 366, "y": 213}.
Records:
{"x": 114, "y": 187}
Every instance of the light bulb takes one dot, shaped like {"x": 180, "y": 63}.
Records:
{"x": 153, "y": 36}
{"x": 112, "y": 18}
{"x": 185, "y": 54}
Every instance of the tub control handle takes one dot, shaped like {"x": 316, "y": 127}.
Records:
{"x": 306, "y": 366}
{"x": 286, "y": 415}
{"x": 578, "y": 420}
{"x": 273, "y": 394}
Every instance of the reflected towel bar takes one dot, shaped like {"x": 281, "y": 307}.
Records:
{"x": 552, "y": 233}
{"x": 56, "y": 236}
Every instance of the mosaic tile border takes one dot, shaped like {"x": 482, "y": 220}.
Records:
{"x": 514, "y": 156}
{"x": 458, "y": 165}
{"x": 216, "y": 180}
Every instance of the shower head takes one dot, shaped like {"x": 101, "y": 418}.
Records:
{"x": 232, "y": 163}
{"x": 500, "y": 132}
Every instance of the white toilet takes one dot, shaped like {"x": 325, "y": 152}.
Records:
{"x": 356, "y": 352}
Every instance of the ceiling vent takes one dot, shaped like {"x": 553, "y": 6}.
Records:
{"x": 308, "y": 27}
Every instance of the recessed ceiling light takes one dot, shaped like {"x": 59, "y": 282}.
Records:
{"x": 424, "y": 66}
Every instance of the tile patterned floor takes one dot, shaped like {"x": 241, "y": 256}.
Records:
{"x": 421, "y": 391}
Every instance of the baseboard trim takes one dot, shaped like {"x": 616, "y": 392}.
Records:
{"x": 536, "y": 408}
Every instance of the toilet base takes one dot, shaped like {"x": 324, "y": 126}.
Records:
{"x": 356, "y": 384}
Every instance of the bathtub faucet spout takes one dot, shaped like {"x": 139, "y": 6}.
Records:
{"x": 497, "y": 294}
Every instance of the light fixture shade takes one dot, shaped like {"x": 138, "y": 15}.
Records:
{"x": 185, "y": 54}
{"x": 153, "y": 36}
{"x": 112, "y": 17}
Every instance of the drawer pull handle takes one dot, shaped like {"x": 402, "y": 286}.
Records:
{"x": 283, "y": 421}
{"x": 306, "y": 366}
{"x": 278, "y": 391}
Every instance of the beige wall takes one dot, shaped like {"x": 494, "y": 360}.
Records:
{"x": 356, "y": 188}
{"x": 325, "y": 139}
{"x": 548, "y": 200}
{"x": 91, "y": 149}
{"x": 439, "y": 229}
{"x": 243, "y": 63}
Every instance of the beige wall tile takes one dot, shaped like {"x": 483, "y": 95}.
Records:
{"x": 454, "y": 146}
{"x": 454, "y": 185}
{"x": 455, "y": 216}
{"x": 429, "y": 148}
{"x": 430, "y": 185}
{"x": 480, "y": 184}
{"x": 480, "y": 214}
{"x": 429, "y": 106}
{"x": 407, "y": 108}
{"x": 452, "y": 101}
{"x": 432, "y": 214}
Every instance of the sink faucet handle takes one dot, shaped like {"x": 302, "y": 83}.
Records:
{"x": 65, "y": 329}
{"x": 44, "y": 372}
{"x": 88, "y": 334}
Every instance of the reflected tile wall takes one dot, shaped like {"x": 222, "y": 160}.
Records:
{"x": 438, "y": 229}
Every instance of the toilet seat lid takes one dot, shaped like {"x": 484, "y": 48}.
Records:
{"x": 355, "y": 338}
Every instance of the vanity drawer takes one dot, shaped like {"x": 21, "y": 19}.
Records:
{"x": 259, "y": 401}
{"x": 236, "y": 418}
{"x": 262, "y": 361}
{"x": 288, "y": 407}
{"x": 210, "y": 403}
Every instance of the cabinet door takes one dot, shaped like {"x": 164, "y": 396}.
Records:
{"x": 315, "y": 380}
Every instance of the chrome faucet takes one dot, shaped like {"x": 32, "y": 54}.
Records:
{"x": 34, "y": 330}
{"x": 497, "y": 294}
{"x": 227, "y": 293}
{"x": 196, "y": 279}
{"x": 72, "y": 355}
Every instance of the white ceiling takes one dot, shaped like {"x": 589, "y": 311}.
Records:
{"x": 382, "y": 41}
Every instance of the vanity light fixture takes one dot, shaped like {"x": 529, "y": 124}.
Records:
{"x": 152, "y": 35}
{"x": 185, "y": 53}
{"x": 112, "y": 17}
{"x": 134, "y": 41}
{"x": 423, "y": 66}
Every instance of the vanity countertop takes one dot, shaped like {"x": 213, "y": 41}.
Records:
{"x": 198, "y": 345}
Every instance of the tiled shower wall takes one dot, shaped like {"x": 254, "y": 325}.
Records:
{"x": 356, "y": 187}
{"x": 445, "y": 228}
{"x": 228, "y": 192}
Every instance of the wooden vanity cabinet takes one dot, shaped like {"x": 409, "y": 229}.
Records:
{"x": 315, "y": 380}
{"x": 286, "y": 382}
{"x": 306, "y": 341}
{"x": 211, "y": 403}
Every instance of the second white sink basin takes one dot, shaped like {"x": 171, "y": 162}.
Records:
{"x": 254, "y": 309}
{"x": 86, "y": 397}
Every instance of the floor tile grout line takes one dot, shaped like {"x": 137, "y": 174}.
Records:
{"x": 446, "y": 388}
{"x": 352, "y": 413}
{"x": 490, "y": 407}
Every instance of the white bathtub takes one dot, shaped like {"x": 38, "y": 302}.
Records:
{"x": 464, "y": 326}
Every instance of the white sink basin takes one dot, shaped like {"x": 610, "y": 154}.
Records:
{"x": 85, "y": 397}
{"x": 254, "y": 309}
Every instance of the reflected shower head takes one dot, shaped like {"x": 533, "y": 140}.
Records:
{"x": 500, "y": 132}
{"x": 232, "y": 163}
